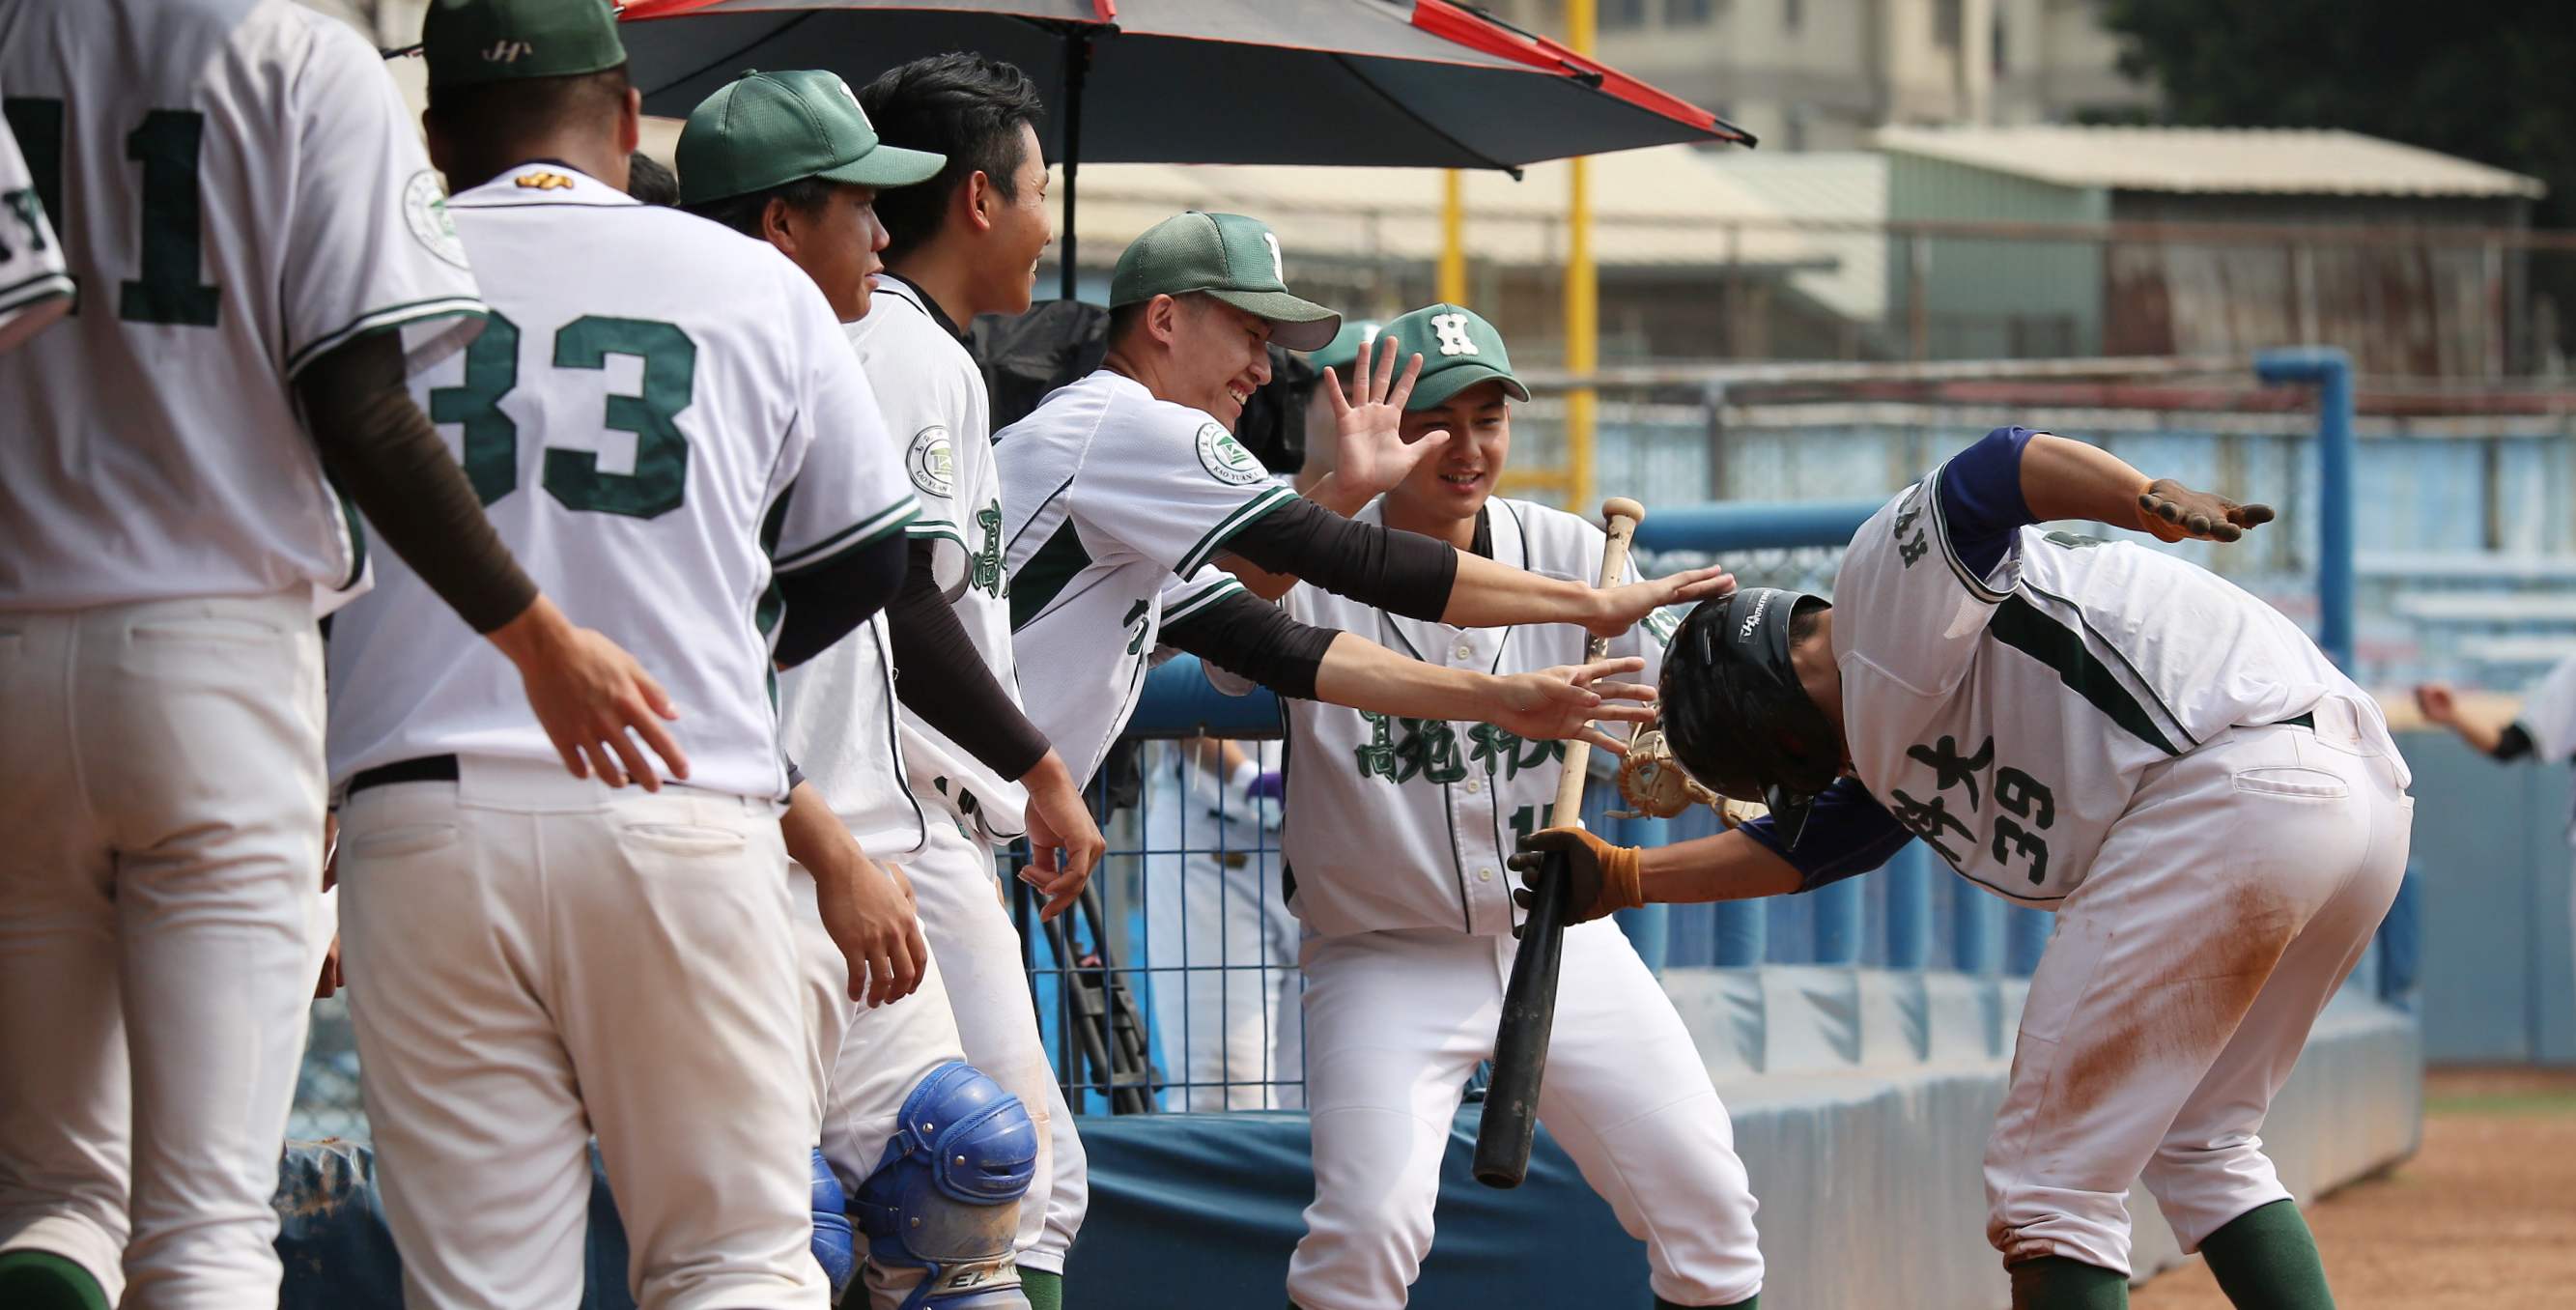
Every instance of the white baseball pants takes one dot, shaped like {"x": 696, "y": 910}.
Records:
{"x": 978, "y": 948}
{"x": 2224, "y": 910}
{"x": 161, "y": 793}
{"x": 1396, "y": 1021}
{"x": 534, "y": 958}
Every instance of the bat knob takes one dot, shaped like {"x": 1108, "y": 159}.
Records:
{"x": 1620, "y": 507}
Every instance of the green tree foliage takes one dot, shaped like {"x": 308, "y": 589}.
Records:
{"x": 2489, "y": 80}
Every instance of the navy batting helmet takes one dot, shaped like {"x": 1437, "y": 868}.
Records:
{"x": 1733, "y": 710}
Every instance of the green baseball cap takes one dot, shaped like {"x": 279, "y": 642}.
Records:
{"x": 1355, "y": 336}
{"x": 1230, "y": 257}
{"x": 1459, "y": 349}
{"x": 762, "y": 130}
{"x": 470, "y": 41}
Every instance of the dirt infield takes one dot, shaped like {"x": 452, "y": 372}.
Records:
{"x": 2483, "y": 1218}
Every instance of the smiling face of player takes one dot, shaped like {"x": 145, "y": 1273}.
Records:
{"x": 1218, "y": 356}
{"x": 1021, "y": 228}
{"x": 1445, "y": 492}
{"x": 835, "y": 240}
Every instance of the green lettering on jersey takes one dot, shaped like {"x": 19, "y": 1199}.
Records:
{"x": 986, "y": 573}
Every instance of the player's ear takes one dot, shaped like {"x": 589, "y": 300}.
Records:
{"x": 1163, "y": 319}
{"x": 777, "y": 224}
{"x": 977, "y": 199}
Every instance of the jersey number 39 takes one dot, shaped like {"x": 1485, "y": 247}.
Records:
{"x": 573, "y": 477}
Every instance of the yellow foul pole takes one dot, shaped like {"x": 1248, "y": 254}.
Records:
{"x": 1582, "y": 298}
{"x": 1453, "y": 238}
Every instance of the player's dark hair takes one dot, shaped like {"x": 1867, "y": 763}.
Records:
{"x": 648, "y": 181}
{"x": 961, "y": 105}
{"x": 742, "y": 213}
{"x": 494, "y": 123}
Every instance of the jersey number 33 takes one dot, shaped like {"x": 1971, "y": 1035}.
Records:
{"x": 573, "y": 477}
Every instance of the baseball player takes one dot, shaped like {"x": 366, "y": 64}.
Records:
{"x": 1129, "y": 478}
{"x": 745, "y": 155}
{"x": 2217, "y": 816}
{"x": 34, "y": 288}
{"x": 1397, "y": 835}
{"x": 1213, "y": 892}
{"x": 265, "y": 254}
{"x": 668, "y": 416}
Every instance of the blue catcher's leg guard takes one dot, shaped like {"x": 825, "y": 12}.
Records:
{"x": 834, "y": 1247}
{"x": 945, "y": 1198}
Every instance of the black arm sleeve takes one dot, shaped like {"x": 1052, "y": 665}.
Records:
{"x": 2513, "y": 743}
{"x": 381, "y": 450}
{"x": 1403, "y": 572}
{"x": 829, "y": 600}
{"x": 1251, "y": 638}
{"x": 940, "y": 676}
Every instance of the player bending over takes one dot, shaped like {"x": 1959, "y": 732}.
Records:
{"x": 2216, "y": 814}
{"x": 1397, "y": 830}
{"x": 669, "y": 417}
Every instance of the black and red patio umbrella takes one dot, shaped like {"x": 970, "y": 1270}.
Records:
{"x": 1419, "y": 83}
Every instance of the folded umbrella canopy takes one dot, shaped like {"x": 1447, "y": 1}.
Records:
{"x": 1423, "y": 83}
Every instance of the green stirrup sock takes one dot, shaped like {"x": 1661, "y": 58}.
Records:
{"x": 42, "y": 1280}
{"x": 2053, "y": 1282}
{"x": 1753, "y": 1302}
{"x": 1044, "y": 1290}
{"x": 2266, "y": 1259}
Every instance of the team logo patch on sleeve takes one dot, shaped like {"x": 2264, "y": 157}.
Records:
{"x": 425, "y": 213}
{"x": 1226, "y": 459}
{"x": 931, "y": 463}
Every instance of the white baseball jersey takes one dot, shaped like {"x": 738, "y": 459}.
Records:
{"x": 1108, "y": 494}
{"x": 2006, "y": 717}
{"x": 649, "y": 391}
{"x": 236, "y": 195}
{"x": 35, "y": 289}
{"x": 939, "y": 416}
{"x": 1397, "y": 823}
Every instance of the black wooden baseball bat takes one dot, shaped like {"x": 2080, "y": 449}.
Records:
{"x": 1510, "y": 1121}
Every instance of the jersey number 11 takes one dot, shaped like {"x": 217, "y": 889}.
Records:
{"x": 172, "y": 255}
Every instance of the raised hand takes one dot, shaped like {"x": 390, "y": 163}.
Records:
{"x": 2437, "y": 703}
{"x": 2171, "y": 512}
{"x": 1621, "y": 608}
{"x": 1371, "y": 455}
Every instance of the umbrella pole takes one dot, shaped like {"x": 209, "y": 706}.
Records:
{"x": 1077, "y": 68}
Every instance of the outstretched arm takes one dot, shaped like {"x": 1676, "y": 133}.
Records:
{"x": 2500, "y": 741}
{"x": 2062, "y": 479}
{"x": 1848, "y": 833}
{"x": 1254, "y": 640}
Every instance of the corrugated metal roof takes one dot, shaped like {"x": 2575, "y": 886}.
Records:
{"x": 1666, "y": 206}
{"x": 2237, "y": 160}
{"x": 1843, "y": 186}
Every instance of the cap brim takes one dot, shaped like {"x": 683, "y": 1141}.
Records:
{"x": 1294, "y": 324}
{"x": 888, "y": 166}
{"x": 1437, "y": 388}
